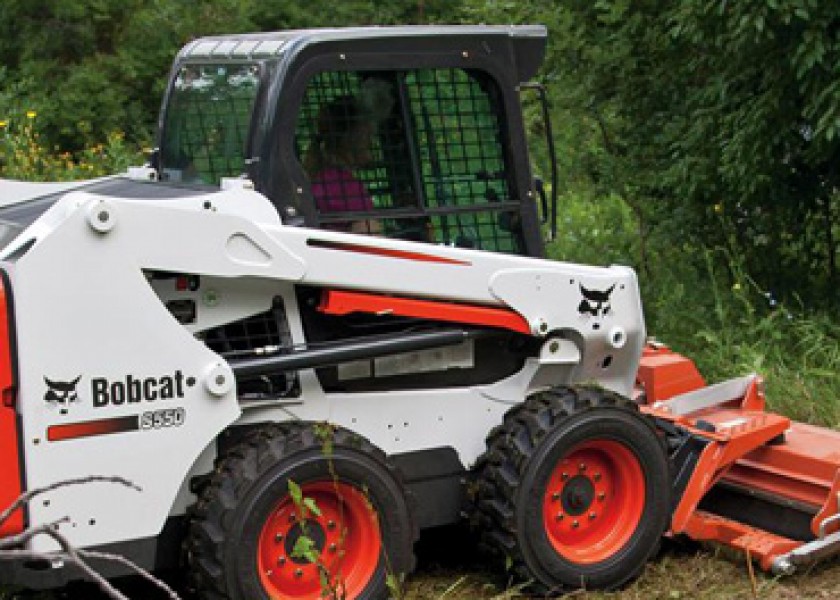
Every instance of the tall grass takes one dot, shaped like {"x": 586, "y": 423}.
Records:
{"x": 702, "y": 302}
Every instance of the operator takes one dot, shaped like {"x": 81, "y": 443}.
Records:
{"x": 342, "y": 143}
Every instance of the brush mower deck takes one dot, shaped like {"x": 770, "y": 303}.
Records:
{"x": 744, "y": 477}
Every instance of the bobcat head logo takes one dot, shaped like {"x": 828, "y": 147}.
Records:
{"x": 61, "y": 392}
{"x": 595, "y": 302}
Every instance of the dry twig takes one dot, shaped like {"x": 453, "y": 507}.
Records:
{"x": 11, "y": 547}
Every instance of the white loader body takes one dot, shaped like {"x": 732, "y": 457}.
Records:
{"x": 150, "y": 398}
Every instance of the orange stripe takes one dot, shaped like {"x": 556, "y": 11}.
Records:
{"x": 70, "y": 431}
{"x": 335, "y": 302}
{"x": 386, "y": 252}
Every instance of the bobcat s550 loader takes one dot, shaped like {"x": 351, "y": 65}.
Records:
{"x": 217, "y": 328}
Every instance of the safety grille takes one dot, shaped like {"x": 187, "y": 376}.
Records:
{"x": 345, "y": 115}
{"x": 264, "y": 333}
{"x": 245, "y": 337}
{"x": 428, "y": 141}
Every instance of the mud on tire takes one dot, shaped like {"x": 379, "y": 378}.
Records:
{"x": 245, "y": 524}
{"x": 574, "y": 490}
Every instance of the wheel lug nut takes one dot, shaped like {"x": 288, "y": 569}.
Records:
{"x": 592, "y": 516}
{"x": 560, "y": 516}
{"x": 333, "y": 548}
{"x": 602, "y": 496}
{"x": 278, "y": 537}
{"x": 575, "y": 524}
{"x": 582, "y": 467}
{"x": 564, "y": 476}
{"x": 298, "y": 573}
{"x": 555, "y": 496}
{"x": 281, "y": 560}
{"x": 331, "y": 525}
{"x": 292, "y": 518}
{"x": 597, "y": 477}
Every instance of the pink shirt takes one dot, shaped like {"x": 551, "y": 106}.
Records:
{"x": 337, "y": 190}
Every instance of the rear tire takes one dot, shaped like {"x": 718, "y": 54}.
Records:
{"x": 245, "y": 523}
{"x": 574, "y": 490}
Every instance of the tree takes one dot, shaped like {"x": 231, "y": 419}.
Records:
{"x": 717, "y": 121}
{"x": 90, "y": 67}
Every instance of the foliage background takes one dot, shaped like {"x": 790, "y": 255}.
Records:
{"x": 698, "y": 141}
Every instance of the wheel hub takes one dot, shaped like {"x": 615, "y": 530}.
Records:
{"x": 344, "y": 541}
{"x": 593, "y": 501}
{"x": 577, "y": 495}
{"x": 309, "y": 528}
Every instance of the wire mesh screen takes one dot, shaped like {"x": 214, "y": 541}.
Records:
{"x": 462, "y": 161}
{"x": 207, "y": 122}
{"x": 350, "y": 144}
{"x": 428, "y": 140}
{"x": 261, "y": 334}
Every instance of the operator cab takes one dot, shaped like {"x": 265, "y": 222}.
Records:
{"x": 407, "y": 132}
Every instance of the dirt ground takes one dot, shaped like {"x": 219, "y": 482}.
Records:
{"x": 681, "y": 571}
{"x": 673, "y": 576}
{"x": 449, "y": 569}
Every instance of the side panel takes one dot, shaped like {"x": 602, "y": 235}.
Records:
{"x": 112, "y": 384}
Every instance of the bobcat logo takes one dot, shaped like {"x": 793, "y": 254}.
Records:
{"x": 61, "y": 392}
{"x": 595, "y": 302}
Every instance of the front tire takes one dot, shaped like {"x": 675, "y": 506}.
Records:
{"x": 574, "y": 490}
{"x": 246, "y": 523}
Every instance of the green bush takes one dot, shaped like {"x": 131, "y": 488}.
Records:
{"x": 24, "y": 156}
{"x": 703, "y": 303}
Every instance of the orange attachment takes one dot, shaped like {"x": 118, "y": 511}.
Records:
{"x": 10, "y": 459}
{"x": 335, "y": 302}
{"x": 804, "y": 469}
{"x": 737, "y": 433}
{"x": 663, "y": 374}
{"x": 744, "y": 448}
{"x": 763, "y": 546}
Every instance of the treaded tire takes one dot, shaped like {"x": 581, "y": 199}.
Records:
{"x": 237, "y": 514}
{"x": 574, "y": 490}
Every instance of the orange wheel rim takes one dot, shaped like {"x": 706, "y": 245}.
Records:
{"x": 345, "y": 539}
{"x": 594, "y": 501}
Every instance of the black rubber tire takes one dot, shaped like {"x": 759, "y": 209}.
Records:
{"x": 512, "y": 478}
{"x": 250, "y": 481}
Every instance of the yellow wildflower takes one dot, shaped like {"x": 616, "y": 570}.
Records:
{"x": 718, "y": 207}
{"x": 736, "y": 286}
{"x": 31, "y": 114}
{"x": 3, "y": 124}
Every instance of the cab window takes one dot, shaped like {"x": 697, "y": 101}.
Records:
{"x": 207, "y": 120}
{"x": 413, "y": 154}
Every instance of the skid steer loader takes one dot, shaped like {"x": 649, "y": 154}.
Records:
{"x": 217, "y": 328}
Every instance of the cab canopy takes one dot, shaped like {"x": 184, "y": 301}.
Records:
{"x": 412, "y": 132}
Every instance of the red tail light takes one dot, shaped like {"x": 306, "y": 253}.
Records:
{"x": 10, "y": 452}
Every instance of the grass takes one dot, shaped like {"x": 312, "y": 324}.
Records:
{"x": 677, "y": 574}
{"x": 680, "y": 572}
